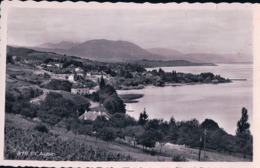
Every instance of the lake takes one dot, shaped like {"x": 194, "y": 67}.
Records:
{"x": 219, "y": 102}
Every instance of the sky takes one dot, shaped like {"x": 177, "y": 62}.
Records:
{"x": 188, "y": 31}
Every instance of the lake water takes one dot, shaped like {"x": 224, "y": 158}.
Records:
{"x": 219, "y": 102}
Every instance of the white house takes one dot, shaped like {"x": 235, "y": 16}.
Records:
{"x": 80, "y": 90}
{"x": 95, "y": 89}
{"x": 71, "y": 78}
{"x": 78, "y": 69}
{"x": 92, "y": 115}
{"x": 49, "y": 65}
{"x": 58, "y": 65}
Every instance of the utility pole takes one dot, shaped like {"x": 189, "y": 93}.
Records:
{"x": 205, "y": 133}
{"x": 200, "y": 146}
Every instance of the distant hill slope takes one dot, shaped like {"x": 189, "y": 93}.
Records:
{"x": 31, "y": 53}
{"x": 201, "y": 57}
{"x": 107, "y": 50}
{"x": 19, "y": 51}
{"x": 154, "y": 63}
{"x": 164, "y": 51}
{"x": 60, "y": 45}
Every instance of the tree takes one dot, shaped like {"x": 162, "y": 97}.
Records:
{"x": 108, "y": 134}
{"x": 111, "y": 100}
{"x": 143, "y": 118}
{"x": 119, "y": 120}
{"x": 242, "y": 124}
{"x": 154, "y": 123}
{"x": 56, "y": 108}
{"x": 162, "y": 74}
{"x": 99, "y": 124}
{"x": 174, "y": 76}
{"x": 149, "y": 138}
{"x": 9, "y": 59}
{"x": 162, "y": 139}
{"x": 244, "y": 138}
{"x": 209, "y": 124}
{"x": 134, "y": 132}
{"x": 102, "y": 83}
{"x": 56, "y": 84}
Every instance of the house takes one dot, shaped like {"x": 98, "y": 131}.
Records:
{"x": 88, "y": 74}
{"x": 43, "y": 65}
{"x": 80, "y": 74}
{"x": 58, "y": 65}
{"x": 71, "y": 78}
{"x": 49, "y": 65}
{"x": 95, "y": 89}
{"x": 79, "y": 70}
{"x": 80, "y": 90}
{"x": 92, "y": 115}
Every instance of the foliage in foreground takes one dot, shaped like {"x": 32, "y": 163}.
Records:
{"x": 179, "y": 158}
{"x": 30, "y": 144}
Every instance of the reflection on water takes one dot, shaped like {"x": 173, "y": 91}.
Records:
{"x": 221, "y": 102}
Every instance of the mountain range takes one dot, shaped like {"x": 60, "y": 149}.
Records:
{"x": 116, "y": 51}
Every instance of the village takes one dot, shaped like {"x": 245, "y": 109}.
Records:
{"x": 82, "y": 83}
{"x": 82, "y": 78}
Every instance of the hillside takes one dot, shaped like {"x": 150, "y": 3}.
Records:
{"x": 164, "y": 51}
{"x": 66, "y": 145}
{"x": 27, "y": 53}
{"x": 60, "y": 45}
{"x": 201, "y": 57}
{"x": 106, "y": 50}
{"x": 154, "y": 63}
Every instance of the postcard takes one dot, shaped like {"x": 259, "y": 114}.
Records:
{"x": 129, "y": 85}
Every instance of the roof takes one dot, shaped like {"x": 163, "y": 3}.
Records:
{"x": 79, "y": 85}
{"x": 92, "y": 115}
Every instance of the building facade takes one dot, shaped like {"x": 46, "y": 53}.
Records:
{"x": 80, "y": 90}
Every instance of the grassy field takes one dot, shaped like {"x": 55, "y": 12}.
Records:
{"x": 22, "y": 75}
{"x": 77, "y": 99}
{"x": 123, "y": 147}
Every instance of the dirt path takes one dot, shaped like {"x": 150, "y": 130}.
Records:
{"x": 40, "y": 98}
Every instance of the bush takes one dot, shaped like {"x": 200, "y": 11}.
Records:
{"x": 13, "y": 76}
{"x": 41, "y": 128}
{"x": 56, "y": 84}
{"x": 153, "y": 152}
{"x": 28, "y": 112}
{"x": 179, "y": 158}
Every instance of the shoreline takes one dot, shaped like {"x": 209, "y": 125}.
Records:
{"x": 171, "y": 84}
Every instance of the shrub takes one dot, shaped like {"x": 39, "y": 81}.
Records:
{"x": 153, "y": 152}
{"x": 56, "y": 84}
{"x": 179, "y": 158}
{"x": 13, "y": 76}
{"x": 41, "y": 128}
